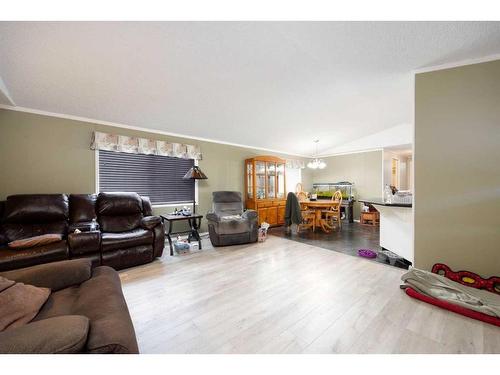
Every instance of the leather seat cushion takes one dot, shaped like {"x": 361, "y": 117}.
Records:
{"x": 20, "y": 258}
{"x": 112, "y": 204}
{"x": 116, "y": 241}
{"x": 232, "y": 226}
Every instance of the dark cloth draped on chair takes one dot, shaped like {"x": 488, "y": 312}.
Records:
{"x": 293, "y": 213}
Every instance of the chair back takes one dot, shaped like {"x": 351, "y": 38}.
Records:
{"x": 337, "y": 197}
{"x": 302, "y": 196}
{"x": 227, "y": 203}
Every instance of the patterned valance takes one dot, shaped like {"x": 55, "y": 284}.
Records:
{"x": 135, "y": 145}
{"x": 294, "y": 163}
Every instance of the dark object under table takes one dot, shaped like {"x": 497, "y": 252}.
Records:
{"x": 194, "y": 222}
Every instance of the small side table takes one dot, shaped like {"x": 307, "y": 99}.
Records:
{"x": 194, "y": 222}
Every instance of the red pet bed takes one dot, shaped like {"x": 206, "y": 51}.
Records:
{"x": 466, "y": 278}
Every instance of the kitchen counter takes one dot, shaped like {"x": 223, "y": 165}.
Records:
{"x": 380, "y": 202}
{"x": 396, "y": 227}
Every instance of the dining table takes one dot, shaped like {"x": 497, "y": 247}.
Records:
{"x": 319, "y": 206}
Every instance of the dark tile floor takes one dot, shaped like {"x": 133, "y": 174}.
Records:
{"x": 349, "y": 240}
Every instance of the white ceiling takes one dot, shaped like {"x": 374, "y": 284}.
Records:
{"x": 275, "y": 85}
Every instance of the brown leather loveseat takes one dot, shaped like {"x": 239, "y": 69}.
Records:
{"x": 117, "y": 229}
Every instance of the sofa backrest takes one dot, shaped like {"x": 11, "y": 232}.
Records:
{"x": 227, "y": 203}
{"x": 82, "y": 208}
{"x": 35, "y": 214}
{"x": 119, "y": 212}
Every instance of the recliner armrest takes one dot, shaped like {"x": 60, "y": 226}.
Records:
{"x": 61, "y": 334}
{"x": 249, "y": 214}
{"x": 149, "y": 222}
{"x": 212, "y": 216}
{"x": 56, "y": 275}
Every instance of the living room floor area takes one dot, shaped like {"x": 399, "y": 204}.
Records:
{"x": 284, "y": 296}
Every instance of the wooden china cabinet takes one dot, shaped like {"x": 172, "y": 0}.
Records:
{"x": 265, "y": 188}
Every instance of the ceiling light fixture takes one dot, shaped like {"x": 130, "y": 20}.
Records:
{"x": 316, "y": 163}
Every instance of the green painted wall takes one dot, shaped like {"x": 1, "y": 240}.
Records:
{"x": 42, "y": 154}
{"x": 364, "y": 169}
{"x": 457, "y": 179}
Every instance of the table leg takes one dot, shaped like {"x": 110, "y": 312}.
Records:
{"x": 194, "y": 225}
{"x": 169, "y": 237}
{"x": 318, "y": 222}
{"x": 198, "y": 225}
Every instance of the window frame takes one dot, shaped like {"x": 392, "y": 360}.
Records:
{"x": 160, "y": 205}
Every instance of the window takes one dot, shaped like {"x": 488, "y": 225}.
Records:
{"x": 158, "y": 177}
{"x": 293, "y": 177}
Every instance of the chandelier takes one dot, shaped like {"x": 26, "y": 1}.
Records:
{"x": 316, "y": 163}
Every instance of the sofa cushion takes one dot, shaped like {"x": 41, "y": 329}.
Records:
{"x": 26, "y": 243}
{"x": 19, "y": 303}
{"x": 82, "y": 208}
{"x": 63, "y": 334}
{"x": 100, "y": 299}
{"x": 18, "y": 258}
{"x": 114, "y": 204}
{"x": 123, "y": 240}
{"x": 36, "y": 208}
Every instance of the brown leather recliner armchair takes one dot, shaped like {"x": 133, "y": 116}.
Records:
{"x": 129, "y": 234}
{"x": 85, "y": 313}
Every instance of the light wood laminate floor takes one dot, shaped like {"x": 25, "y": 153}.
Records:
{"x": 283, "y": 296}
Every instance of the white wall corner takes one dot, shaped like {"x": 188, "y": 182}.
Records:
{"x": 5, "y": 97}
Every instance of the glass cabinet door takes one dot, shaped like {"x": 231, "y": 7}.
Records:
{"x": 260, "y": 179}
{"x": 250, "y": 180}
{"x": 271, "y": 180}
{"x": 280, "y": 177}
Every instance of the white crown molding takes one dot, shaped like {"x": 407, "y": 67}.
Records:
{"x": 351, "y": 152}
{"x": 140, "y": 128}
{"x": 457, "y": 64}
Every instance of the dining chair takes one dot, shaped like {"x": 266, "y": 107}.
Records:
{"x": 308, "y": 216}
{"x": 333, "y": 215}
